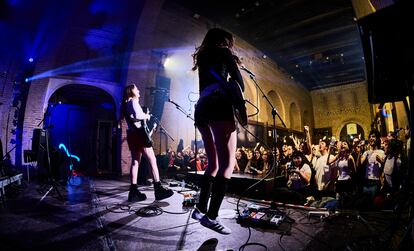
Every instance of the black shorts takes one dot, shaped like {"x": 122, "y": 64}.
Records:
{"x": 136, "y": 140}
{"x": 215, "y": 107}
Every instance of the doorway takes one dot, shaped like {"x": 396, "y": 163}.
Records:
{"x": 81, "y": 118}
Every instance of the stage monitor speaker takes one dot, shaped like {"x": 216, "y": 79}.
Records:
{"x": 38, "y": 139}
{"x": 163, "y": 87}
{"x": 388, "y": 52}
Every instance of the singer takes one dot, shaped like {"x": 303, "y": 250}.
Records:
{"x": 140, "y": 145}
{"x": 214, "y": 118}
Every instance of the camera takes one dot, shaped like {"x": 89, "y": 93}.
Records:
{"x": 290, "y": 167}
{"x": 333, "y": 142}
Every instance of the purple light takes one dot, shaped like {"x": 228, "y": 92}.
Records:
{"x": 30, "y": 60}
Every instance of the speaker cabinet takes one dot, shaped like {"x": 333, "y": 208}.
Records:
{"x": 388, "y": 52}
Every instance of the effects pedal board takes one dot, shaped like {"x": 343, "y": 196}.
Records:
{"x": 259, "y": 216}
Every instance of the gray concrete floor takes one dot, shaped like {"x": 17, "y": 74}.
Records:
{"x": 95, "y": 215}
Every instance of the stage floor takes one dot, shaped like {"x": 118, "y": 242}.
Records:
{"x": 95, "y": 215}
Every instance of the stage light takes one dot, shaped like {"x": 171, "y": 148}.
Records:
{"x": 31, "y": 60}
{"x": 26, "y": 80}
{"x": 167, "y": 62}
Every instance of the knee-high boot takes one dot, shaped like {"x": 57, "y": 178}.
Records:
{"x": 205, "y": 191}
{"x": 218, "y": 191}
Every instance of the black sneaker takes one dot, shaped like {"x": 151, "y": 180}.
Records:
{"x": 162, "y": 193}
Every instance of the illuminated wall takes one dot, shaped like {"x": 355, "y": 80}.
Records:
{"x": 335, "y": 107}
{"x": 167, "y": 31}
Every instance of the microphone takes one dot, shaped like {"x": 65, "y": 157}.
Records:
{"x": 170, "y": 100}
{"x": 247, "y": 70}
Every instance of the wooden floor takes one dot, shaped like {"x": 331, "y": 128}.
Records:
{"x": 95, "y": 215}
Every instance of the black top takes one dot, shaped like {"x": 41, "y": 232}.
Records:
{"x": 215, "y": 64}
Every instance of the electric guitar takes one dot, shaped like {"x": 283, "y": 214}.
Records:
{"x": 237, "y": 98}
{"x": 148, "y": 131}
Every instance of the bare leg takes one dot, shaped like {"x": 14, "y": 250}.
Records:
{"x": 210, "y": 148}
{"x": 150, "y": 155}
{"x": 134, "y": 195}
{"x": 225, "y": 139}
{"x": 224, "y": 135}
{"x": 136, "y": 158}
{"x": 159, "y": 191}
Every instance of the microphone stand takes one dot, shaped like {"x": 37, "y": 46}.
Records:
{"x": 165, "y": 132}
{"x": 195, "y": 131}
{"x": 274, "y": 113}
{"x": 51, "y": 182}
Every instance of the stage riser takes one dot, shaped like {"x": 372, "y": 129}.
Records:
{"x": 239, "y": 184}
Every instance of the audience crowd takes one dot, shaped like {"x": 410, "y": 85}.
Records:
{"x": 337, "y": 173}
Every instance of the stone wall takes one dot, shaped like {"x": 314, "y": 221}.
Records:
{"x": 337, "y": 106}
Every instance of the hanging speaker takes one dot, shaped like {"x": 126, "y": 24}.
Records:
{"x": 388, "y": 52}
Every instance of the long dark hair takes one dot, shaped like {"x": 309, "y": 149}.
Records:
{"x": 215, "y": 38}
{"x": 345, "y": 154}
{"x": 128, "y": 93}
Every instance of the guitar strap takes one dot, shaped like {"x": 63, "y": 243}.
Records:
{"x": 209, "y": 90}
{"x": 132, "y": 121}
{"x": 238, "y": 103}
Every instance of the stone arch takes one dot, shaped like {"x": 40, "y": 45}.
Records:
{"x": 112, "y": 89}
{"x": 278, "y": 104}
{"x": 357, "y": 121}
{"x": 359, "y": 131}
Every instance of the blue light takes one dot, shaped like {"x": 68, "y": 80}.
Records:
{"x": 30, "y": 60}
{"x": 385, "y": 114}
{"x": 26, "y": 80}
{"x": 62, "y": 146}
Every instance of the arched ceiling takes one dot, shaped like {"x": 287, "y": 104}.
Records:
{"x": 315, "y": 41}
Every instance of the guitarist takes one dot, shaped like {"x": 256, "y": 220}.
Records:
{"x": 214, "y": 118}
{"x": 140, "y": 143}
